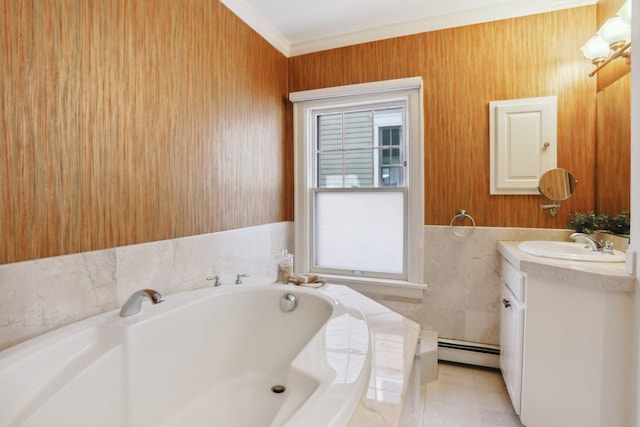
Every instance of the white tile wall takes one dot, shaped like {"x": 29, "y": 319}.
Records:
{"x": 44, "y": 294}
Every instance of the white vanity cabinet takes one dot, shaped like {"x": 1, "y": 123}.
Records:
{"x": 565, "y": 341}
{"x": 512, "y": 331}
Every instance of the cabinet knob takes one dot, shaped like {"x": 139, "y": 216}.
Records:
{"x": 506, "y": 302}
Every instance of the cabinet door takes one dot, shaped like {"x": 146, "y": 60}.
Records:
{"x": 511, "y": 341}
{"x": 523, "y": 143}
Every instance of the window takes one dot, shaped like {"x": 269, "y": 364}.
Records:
{"x": 392, "y": 162}
{"x": 358, "y": 148}
{"x": 358, "y": 172}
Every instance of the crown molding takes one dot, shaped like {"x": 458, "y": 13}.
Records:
{"x": 248, "y": 14}
{"x": 513, "y": 9}
{"x": 469, "y": 17}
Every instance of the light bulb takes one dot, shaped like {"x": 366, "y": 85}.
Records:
{"x": 615, "y": 32}
{"x": 595, "y": 49}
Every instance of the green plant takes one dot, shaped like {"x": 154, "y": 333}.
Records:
{"x": 589, "y": 222}
{"x": 619, "y": 224}
{"x": 586, "y": 223}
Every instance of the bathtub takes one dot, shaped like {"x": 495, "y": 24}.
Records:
{"x": 208, "y": 357}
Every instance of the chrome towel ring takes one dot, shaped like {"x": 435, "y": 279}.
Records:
{"x": 462, "y": 215}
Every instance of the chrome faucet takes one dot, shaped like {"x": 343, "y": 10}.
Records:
{"x": 132, "y": 306}
{"x": 591, "y": 242}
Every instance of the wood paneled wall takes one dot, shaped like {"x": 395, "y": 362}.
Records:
{"x": 125, "y": 122}
{"x": 613, "y": 152}
{"x": 463, "y": 69}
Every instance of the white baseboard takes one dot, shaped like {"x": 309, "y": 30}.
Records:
{"x": 469, "y": 353}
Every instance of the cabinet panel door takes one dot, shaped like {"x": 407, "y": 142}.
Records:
{"x": 511, "y": 341}
{"x": 523, "y": 134}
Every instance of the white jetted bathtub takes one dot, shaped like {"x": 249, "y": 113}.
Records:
{"x": 208, "y": 357}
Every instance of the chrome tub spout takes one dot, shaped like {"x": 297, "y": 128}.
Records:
{"x": 132, "y": 306}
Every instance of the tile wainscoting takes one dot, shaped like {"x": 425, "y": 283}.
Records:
{"x": 462, "y": 273}
{"x": 48, "y": 293}
{"x": 462, "y": 300}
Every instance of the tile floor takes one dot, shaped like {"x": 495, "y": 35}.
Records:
{"x": 464, "y": 396}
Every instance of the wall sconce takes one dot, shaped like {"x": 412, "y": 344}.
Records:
{"x": 613, "y": 40}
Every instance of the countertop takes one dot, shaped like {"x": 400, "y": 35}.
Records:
{"x": 605, "y": 275}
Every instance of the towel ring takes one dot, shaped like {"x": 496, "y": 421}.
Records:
{"x": 462, "y": 215}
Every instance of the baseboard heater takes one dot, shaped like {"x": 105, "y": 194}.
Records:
{"x": 469, "y": 353}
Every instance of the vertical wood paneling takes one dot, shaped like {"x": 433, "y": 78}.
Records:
{"x": 613, "y": 154}
{"x": 463, "y": 69}
{"x": 126, "y": 122}
{"x": 17, "y": 154}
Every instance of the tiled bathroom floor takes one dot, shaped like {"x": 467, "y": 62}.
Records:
{"x": 467, "y": 397}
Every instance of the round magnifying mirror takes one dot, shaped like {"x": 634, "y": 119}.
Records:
{"x": 557, "y": 184}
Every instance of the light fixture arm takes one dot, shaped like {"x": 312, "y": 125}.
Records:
{"x": 622, "y": 52}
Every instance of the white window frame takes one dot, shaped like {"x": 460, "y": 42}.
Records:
{"x": 305, "y": 103}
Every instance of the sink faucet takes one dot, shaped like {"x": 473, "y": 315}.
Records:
{"x": 132, "y": 306}
{"x": 591, "y": 242}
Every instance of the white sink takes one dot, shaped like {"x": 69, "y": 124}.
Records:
{"x": 568, "y": 250}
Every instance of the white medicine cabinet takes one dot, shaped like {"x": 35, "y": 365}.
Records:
{"x": 523, "y": 143}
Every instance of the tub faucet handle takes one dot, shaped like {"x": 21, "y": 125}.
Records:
{"x": 216, "y": 280}
{"x": 239, "y": 277}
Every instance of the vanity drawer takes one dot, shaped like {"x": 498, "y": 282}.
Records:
{"x": 513, "y": 279}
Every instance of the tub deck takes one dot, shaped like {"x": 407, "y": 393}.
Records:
{"x": 394, "y": 340}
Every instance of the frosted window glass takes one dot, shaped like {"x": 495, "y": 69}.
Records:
{"x": 359, "y": 230}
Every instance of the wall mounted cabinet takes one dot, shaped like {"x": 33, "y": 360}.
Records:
{"x": 523, "y": 139}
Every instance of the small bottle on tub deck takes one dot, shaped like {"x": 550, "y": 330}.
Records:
{"x": 285, "y": 266}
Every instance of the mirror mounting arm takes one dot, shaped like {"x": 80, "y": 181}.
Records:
{"x": 553, "y": 209}
{"x": 556, "y": 185}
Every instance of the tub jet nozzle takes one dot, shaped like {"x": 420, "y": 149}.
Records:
{"x": 288, "y": 302}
